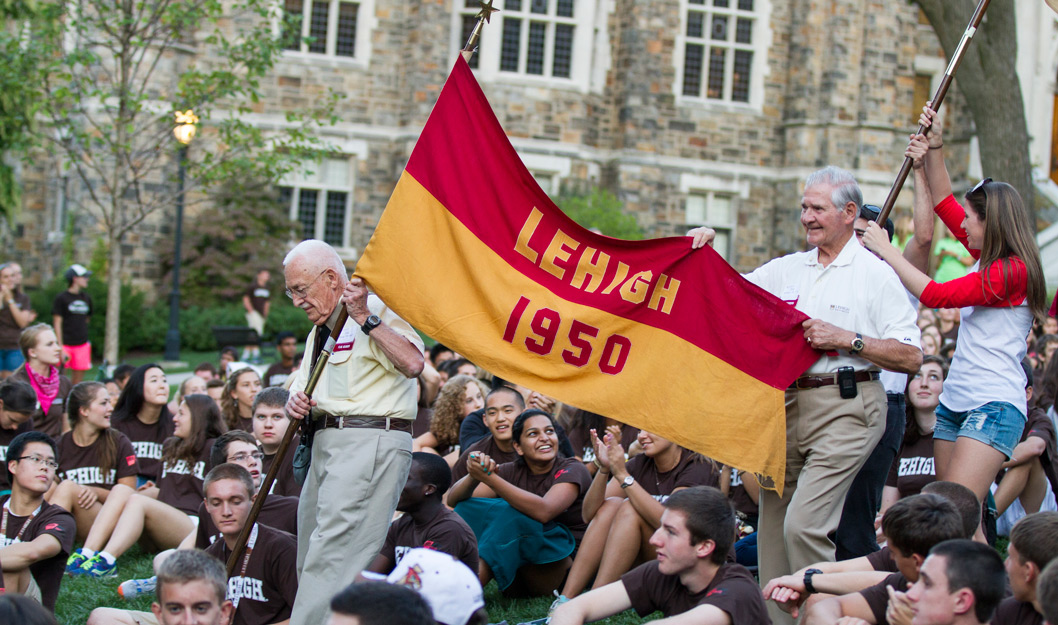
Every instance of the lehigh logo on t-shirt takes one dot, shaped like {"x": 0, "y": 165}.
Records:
{"x": 52, "y": 526}
{"x": 130, "y": 460}
{"x": 560, "y": 473}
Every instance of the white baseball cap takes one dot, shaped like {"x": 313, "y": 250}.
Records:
{"x": 449, "y": 586}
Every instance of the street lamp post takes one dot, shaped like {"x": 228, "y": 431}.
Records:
{"x": 184, "y": 132}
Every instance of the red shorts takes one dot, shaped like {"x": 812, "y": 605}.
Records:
{"x": 80, "y": 356}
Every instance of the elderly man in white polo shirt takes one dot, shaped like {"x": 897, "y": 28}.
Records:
{"x": 860, "y": 321}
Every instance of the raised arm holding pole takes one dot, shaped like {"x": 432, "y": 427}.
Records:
{"x": 938, "y": 97}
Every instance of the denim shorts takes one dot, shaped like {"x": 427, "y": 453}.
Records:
{"x": 997, "y": 424}
{"x": 10, "y": 359}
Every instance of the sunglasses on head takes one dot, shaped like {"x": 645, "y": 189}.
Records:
{"x": 980, "y": 186}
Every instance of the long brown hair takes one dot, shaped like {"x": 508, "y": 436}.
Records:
{"x": 206, "y": 424}
{"x": 80, "y": 397}
{"x": 1008, "y": 232}
{"x": 229, "y": 408}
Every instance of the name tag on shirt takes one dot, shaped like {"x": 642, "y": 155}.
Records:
{"x": 789, "y": 294}
{"x": 346, "y": 338}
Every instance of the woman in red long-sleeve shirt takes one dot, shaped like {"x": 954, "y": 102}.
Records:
{"x": 982, "y": 408}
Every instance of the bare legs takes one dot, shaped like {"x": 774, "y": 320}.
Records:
{"x": 968, "y": 462}
{"x": 1027, "y": 482}
{"x": 616, "y": 540}
{"x": 126, "y": 517}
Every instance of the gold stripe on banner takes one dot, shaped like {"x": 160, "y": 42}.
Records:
{"x": 437, "y": 275}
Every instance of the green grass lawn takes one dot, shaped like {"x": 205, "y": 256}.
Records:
{"x": 79, "y": 595}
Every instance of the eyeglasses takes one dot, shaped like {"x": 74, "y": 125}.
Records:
{"x": 302, "y": 291}
{"x": 40, "y": 461}
{"x": 243, "y": 457}
{"x": 980, "y": 186}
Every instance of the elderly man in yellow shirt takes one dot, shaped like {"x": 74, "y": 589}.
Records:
{"x": 363, "y": 409}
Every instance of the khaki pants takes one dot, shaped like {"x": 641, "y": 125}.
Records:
{"x": 827, "y": 441}
{"x": 346, "y": 505}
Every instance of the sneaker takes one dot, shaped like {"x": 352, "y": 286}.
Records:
{"x": 75, "y": 562}
{"x": 134, "y": 588}
{"x": 559, "y": 600}
{"x": 96, "y": 566}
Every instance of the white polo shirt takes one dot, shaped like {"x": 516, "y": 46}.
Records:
{"x": 857, "y": 291}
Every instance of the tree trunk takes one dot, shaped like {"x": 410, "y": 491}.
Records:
{"x": 988, "y": 80}
{"x": 116, "y": 259}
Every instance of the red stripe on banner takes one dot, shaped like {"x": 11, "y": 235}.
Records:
{"x": 661, "y": 282}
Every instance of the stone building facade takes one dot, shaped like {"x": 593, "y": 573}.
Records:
{"x": 690, "y": 111}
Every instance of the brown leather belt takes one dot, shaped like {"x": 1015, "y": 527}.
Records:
{"x": 816, "y": 381}
{"x": 372, "y": 423}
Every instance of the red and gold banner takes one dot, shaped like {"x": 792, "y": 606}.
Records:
{"x": 671, "y": 340}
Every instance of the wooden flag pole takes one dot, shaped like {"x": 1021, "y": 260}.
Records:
{"x": 284, "y": 445}
{"x": 938, "y": 97}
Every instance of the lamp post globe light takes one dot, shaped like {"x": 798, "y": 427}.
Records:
{"x": 184, "y": 131}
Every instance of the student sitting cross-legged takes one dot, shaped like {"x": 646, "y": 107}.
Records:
{"x": 689, "y": 582}
{"x": 94, "y": 458}
{"x": 36, "y": 535}
{"x": 426, "y": 521}
{"x": 527, "y": 513}
{"x": 624, "y": 505}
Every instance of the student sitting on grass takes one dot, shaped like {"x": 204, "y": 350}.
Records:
{"x": 624, "y": 505}
{"x": 270, "y": 423}
{"x": 278, "y": 512}
{"x": 169, "y": 519}
{"x": 960, "y": 583}
{"x": 94, "y": 458}
{"x": 142, "y": 414}
{"x": 36, "y": 535}
{"x": 690, "y": 581}
{"x": 527, "y": 513}
{"x": 426, "y": 521}
{"x": 913, "y": 525}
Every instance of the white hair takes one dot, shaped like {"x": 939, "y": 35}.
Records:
{"x": 318, "y": 254}
{"x": 846, "y": 189}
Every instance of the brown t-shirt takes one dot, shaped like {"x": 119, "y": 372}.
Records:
{"x": 1014, "y": 612}
{"x": 277, "y": 374}
{"x": 913, "y": 467}
{"x": 6, "y": 436}
{"x": 447, "y": 532}
{"x": 486, "y": 446}
{"x": 258, "y": 297}
{"x": 50, "y": 423}
{"x": 180, "y": 485}
{"x": 284, "y": 484}
{"x": 9, "y": 330}
{"x": 421, "y": 425}
{"x": 49, "y": 519}
{"x": 877, "y": 596}
{"x": 882, "y": 560}
{"x": 264, "y": 593}
{"x": 147, "y": 442}
{"x": 81, "y": 464}
{"x": 277, "y": 512}
{"x": 565, "y": 470}
{"x": 740, "y": 499}
{"x": 691, "y": 470}
{"x": 732, "y": 590}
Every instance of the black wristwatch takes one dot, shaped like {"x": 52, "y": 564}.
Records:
{"x": 809, "y": 587}
{"x": 857, "y": 344}
{"x": 372, "y": 322}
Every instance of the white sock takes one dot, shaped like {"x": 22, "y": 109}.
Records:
{"x": 87, "y": 553}
{"x": 109, "y": 558}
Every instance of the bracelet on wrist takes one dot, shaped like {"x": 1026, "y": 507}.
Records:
{"x": 937, "y": 147}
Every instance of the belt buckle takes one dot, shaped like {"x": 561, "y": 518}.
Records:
{"x": 341, "y": 422}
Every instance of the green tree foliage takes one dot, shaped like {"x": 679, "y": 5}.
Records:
{"x": 245, "y": 229}
{"x": 116, "y": 73}
{"x": 600, "y": 210}
{"x": 18, "y": 97}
